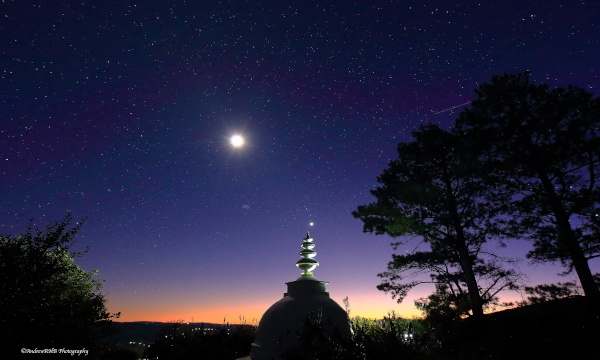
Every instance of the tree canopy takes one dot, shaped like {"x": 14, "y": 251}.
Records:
{"x": 47, "y": 300}
{"x": 430, "y": 197}
{"x": 522, "y": 162}
{"x": 542, "y": 146}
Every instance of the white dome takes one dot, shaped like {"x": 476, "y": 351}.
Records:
{"x": 279, "y": 327}
{"x": 306, "y": 299}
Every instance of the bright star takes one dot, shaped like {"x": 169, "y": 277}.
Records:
{"x": 237, "y": 141}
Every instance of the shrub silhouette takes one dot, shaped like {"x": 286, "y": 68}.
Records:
{"x": 47, "y": 300}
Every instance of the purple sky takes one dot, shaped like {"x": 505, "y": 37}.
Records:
{"x": 121, "y": 111}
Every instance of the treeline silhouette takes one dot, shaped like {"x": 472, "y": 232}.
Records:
{"x": 563, "y": 328}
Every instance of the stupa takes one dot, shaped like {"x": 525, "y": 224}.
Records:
{"x": 306, "y": 299}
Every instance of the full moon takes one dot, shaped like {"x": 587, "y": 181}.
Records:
{"x": 237, "y": 141}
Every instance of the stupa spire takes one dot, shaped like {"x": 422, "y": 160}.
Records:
{"x": 306, "y": 299}
{"x": 307, "y": 263}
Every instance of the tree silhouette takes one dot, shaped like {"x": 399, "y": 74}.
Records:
{"x": 542, "y": 150}
{"x": 548, "y": 292}
{"x": 431, "y": 196}
{"x": 47, "y": 300}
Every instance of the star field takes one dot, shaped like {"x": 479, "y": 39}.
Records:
{"x": 122, "y": 112}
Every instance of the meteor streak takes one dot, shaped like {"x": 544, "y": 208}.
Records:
{"x": 450, "y": 108}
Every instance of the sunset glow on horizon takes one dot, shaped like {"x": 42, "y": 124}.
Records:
{"x": 375, "y": 306}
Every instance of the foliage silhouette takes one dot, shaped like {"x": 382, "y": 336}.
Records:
{"x": 47, "y": 300}
{"x": 541, "y": 147}
{"x": 548, "y": 292}
{"x": 431, "y": 197}
{"x": 389, "y": 338}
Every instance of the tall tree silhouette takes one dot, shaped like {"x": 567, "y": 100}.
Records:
{"x": 542, "y": 145}
{"x": 430, "y": 197}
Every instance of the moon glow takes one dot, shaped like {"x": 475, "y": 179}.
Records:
{"x": 237, "y": 141}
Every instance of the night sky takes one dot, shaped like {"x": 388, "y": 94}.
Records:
{"x": 122, "y": 111}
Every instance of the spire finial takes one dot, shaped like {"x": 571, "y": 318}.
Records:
{"x": 307, "y": 264}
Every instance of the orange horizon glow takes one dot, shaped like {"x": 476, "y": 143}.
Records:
{"x": 373, "y": 306}
{"x": 252, "y": 318}
{"x": 248, "y": 304}
{"x": 370, "y": 306}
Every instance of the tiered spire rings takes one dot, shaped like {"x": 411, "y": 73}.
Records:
{"x": 307, "y": 264}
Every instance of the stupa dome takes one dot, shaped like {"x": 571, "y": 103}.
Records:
{"x": 306, "y": 299}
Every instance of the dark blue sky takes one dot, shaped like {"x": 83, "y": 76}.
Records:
{"x": 120, "y": 111}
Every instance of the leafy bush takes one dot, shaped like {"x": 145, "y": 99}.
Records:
{"x": 47, "y": 300}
